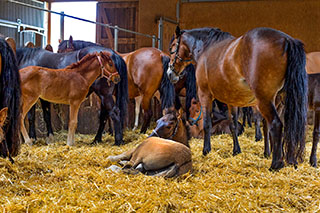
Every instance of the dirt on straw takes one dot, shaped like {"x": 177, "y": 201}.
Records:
{"x": 56, "y": 178}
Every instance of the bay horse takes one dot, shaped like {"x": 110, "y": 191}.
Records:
{"x": 249, "y": 71}
{"x": 10, "y": 93}
{"x": 117, "y": 111}
{"x": 164, "y": 153}
{"x": 65, "y": 86}
{"x": 145, "y": 76}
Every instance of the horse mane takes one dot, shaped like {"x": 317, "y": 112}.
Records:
{"x": 10, "y": 94}
{"x": 77, "y": 44}
{"x": 208, "y": 35}
{"x": 190, "y": 85}
{"x": 83, "y": 60}
{"x": 167, "y": 90}
{"x": 26, "y": 53}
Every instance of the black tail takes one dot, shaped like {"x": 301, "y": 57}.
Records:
{"x": 167, "y": 90}
{"x": 122, "y": 86}
{"x": 190, "y": 85}
{"x": 10, "y": 94}
{"x": 295, "y": 111}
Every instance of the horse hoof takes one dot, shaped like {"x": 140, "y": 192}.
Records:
{"x": 277, "y": 166}
{"x": 70, "y": 143}
{"x": 236, "y": 152}
{"x": 118, "y": 143}
{"x": 29, "y": 142}
{"x": 49, "y": 139}
{"x": 114, "y": 168}
{"x": 266, "y": 155}
{"x": 206, "y": 151}
{"x": 313, "y": 163}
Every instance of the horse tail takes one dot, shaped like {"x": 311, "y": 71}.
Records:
{"x": 10, "y": 94}
{"x": 295, "y": 110}
{"x": 190, "y": 85}
{"x": 167, "y": 90}
{"x": 122, "y": 86}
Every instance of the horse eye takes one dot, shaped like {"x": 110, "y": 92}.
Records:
{"x": 110, "y": 65}
{"x": 168, "y": 127}
{"x": 197, "y": 111}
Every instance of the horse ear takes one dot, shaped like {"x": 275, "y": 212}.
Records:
{"x": 59, "y": 40}
{"x": 12, "y": 43}
{"x": 178, "y": 31}
{"x": 3, "y": 115}
{"x": 179, "y": 113}
{"x": 71, "y": 39}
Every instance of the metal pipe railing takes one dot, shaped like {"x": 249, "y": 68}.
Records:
{"x": 85, "y": 20}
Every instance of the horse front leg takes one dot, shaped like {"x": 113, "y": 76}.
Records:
{"x": 233, "y": 118}
{"x": 114, "y": 113}
{"x": 46, "y": 109}
{"x": 32, "y": 122}
{"x": 266, "y": 134}
{"x": 257, "y": 119}
{"x": 102, "y": 122}
{"x": 316, "y": 135}
{"x": 27, "y": 103}
{"x": 73, "y": 121}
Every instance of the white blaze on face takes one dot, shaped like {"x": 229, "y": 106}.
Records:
{"x": 172, "y": 76}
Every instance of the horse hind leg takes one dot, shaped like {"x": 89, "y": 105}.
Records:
{"x": 28, "y": 102}
{"x": 138, "y": 101}
{"x": 47, "y": 118}
{"x": 73, "y": 121}
{"x": 270, "y": 114}
{"x": 233, "y": 117}
{"x": 316, "y": 135}
{"x": 146, "y": 105}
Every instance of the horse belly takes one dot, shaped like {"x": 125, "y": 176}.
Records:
{"x": 235, "y": 93}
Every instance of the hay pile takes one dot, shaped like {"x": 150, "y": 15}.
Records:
{"x": 60, "y": 178}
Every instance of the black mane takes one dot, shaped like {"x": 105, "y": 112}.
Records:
{"x": 25, "y": 54}
{"x": 10, "y": 94}
{"x": 208, "y": 35}
{"x": 77, "y": 44}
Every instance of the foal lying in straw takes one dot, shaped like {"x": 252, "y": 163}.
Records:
{"x": 64, "y": 86}
{"x": 157, "y": 156}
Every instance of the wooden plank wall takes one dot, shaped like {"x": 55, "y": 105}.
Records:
{"x": 298, "y": 18}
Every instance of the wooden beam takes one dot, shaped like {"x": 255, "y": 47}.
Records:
{"x": 107, "y": 29}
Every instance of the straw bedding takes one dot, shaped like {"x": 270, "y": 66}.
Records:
{"x": 59, "y": 178}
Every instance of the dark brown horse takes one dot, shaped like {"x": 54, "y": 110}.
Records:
{"x": 249, "y": 71}
{"x": 65, "y": 86}
{"x": 158, "y": 156}
{"x": 9, "y": 97}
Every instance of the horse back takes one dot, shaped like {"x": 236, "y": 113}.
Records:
{"x": 313, "y": 62}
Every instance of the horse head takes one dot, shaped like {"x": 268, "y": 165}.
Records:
{"x": 195, "y": 111}
{"x": 66, "y": 46}
{"x": 180, "y": 56}
{"x": 108, "y": 68}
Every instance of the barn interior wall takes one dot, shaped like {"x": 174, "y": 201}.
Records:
{"x": 150, "y": 12}
{"x": 298, "y": 18}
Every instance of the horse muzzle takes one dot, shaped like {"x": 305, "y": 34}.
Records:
{"x": 116, "y": 79}
{"x": 173, "y": 77}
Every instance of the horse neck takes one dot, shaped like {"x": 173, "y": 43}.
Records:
{"x": 90, "y": 70}
{"x": 195, "y": 46}
{"x": 182, "y": 134}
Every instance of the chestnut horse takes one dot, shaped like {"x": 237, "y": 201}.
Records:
{"x": 145, "y": 76}
{"x": 117, "y": 111}
{"x": 249, "y": 71}
{"x": 65, "y": 86}
{"x": 9, "y": 97}
{"x": 157, "y": 156}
